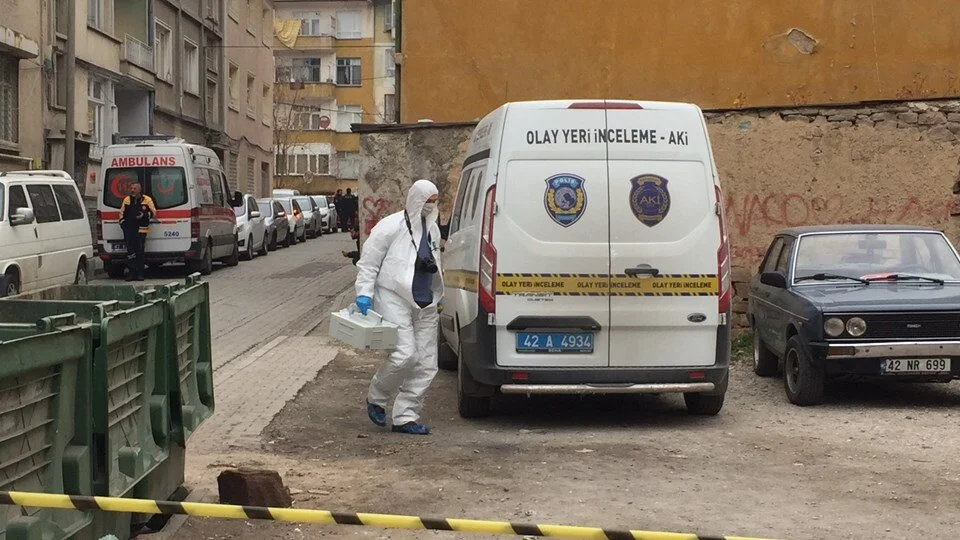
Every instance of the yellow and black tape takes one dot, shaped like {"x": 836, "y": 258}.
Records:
{"x": 323, "y": 517}
{"x": 608, "y": 285}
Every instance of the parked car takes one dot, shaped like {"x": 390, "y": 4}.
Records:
{"x": 195, "y": 208}
{"x": 872, "y": 301}
{"x": 251, "y": 231}
{"x": 45, "y": 237}
{"x": 296, "y": 225}
{"x": 275, "y": 221}
{"x": 311, "y": 216}
{"x": 328, "y": 213}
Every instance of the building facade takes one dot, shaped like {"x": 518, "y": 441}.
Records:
{"x": 334, "y": 68}
{"x": 463, "y": 58}
{"x": 21, "y": 72}
{"x": 249, "y": 96}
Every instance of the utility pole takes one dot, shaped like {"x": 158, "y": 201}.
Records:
{"x": 69, "y": 140}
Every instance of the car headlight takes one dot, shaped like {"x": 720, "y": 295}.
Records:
{"x": 856, "y": 326}
{"x": 833, "y": 327}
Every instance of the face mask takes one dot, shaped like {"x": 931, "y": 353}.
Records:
{"x": 428, "y": 209}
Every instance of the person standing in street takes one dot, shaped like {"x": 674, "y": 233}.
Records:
{"x": 136, "y": 212}
{"x": 338, "y": 204}
{"x": 399, "y": 277}
{"x": 350, "y": 206}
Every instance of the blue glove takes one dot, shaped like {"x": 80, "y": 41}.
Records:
{"x": 364, "y": 303}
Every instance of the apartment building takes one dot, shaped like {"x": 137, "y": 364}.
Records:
{"x": 21, "y": 136}
{"x": 249, "y": 96}
{"x": 334, "y": 68}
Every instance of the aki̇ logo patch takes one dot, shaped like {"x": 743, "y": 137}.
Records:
{"x": 565, "y": 198}
{"x": 649, "y": 199}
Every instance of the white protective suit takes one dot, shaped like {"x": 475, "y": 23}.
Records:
{"x": 386, "y": 269}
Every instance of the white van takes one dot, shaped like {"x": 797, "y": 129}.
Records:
{"x": 587, "y": 254}
{"x": 44, "y": 233}
{"x": 195, "y": 222}
{"x": 285, "y": 193}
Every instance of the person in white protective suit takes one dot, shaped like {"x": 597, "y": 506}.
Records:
{"x": 400, "y": 278}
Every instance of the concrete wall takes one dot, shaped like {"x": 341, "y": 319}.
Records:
{"x": 462, "y": 58}
{"x": 892, "y": 163}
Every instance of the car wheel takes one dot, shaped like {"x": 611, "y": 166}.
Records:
{"x": 303, "y": 236}
{"x": 81, "y": 277}
{"x": 273, "y": 242}
{"x": 248, "y": 251}
{"x": 263, "y": 246}
{"x": 469, "y": 406}
{"x": 803, "y": 380}
{"x": 446, "y": 356}
{"x": 234, "y": 258}
{"x": 765, "y": 363}
{"x": 9, "y": 285}
{"x": 703, "y": 404}
{"x": 291, "y": 239}
{"x": 114, "y": 270}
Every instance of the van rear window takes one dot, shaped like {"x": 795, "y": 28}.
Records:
{"x": 167, "y": 186}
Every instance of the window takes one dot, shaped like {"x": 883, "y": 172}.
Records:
{"x": 44, "y": 203}
{"x": 163, "y": 51}
{"x": 773, "y": 254}
{"x": 216, "y": 187}
{"x": 213, "y": 10}
{"x": 191, "y": 67}
{"x": 96, "y": 101}
{"x": 59, "y": 91}
{"x": 348, "y": 164}
{"x": 390, "y": 63}
{"x": 253, "y": 16}
{"x": 1, "y": 202}
{"x": 167, "y": 186}
{"x": 389, "y": 108}
{"x": 349, "y": 25}
{"x": 61, "y": 16}
{"x": 18, "y": 199}
{"x": 234, "y": 87}
{"x": 388, "y": 17}
{"x": 302, "y": 70}
{"x": 458, "y": 205}
{"x": 251, "y": 170}
{"x": 70, "y": 206}
{"x": 348, "y": 71}
{"x": 476, "y": 196}
{"x": 348, "y": 114}
{"x": 234, "y": 9}
{"x": 9, "y": 99}
{"x": 783, "y": 263}
{"x": 213, "y": 101}
{"x": 96, "y": 11}
{"x": 266, "y": 106}
{"x": 294, "y": 164}
{"x": 311, "y": 120}
{"x": 233, "y": 171}
{"x": 251, "y": 96}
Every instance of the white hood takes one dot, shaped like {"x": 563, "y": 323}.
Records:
{"x": 420, "y": 191}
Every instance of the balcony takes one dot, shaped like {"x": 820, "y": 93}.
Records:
{"x": 306, "y": 91}
{"x": 138, "y": 53}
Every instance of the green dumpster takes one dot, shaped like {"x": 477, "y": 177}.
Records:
{"x": 130, "y": 393}
{"x": 45, "y": 428}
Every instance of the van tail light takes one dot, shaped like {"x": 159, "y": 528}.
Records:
{"x": 723, "y": 258}
{"x": 99, "y": 225}
{"x": 195, "y": 223}
{"x": 488, "y": 256}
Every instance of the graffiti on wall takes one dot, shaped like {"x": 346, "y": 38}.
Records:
{"x": 373, "y": 210}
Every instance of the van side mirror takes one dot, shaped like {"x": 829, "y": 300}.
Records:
{"x": 22, "y": 216}
{"x": 237, "y": 200}
{"x": 774, "y": 279}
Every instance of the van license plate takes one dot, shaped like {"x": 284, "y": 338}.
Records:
{"x": 555, "y": 342}
{"x": 118, "y": 246}
{"x": 913, "y": 366}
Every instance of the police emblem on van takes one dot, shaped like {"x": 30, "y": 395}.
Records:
{"x": 565, "y": 198}
{"x": 649, "y": 199}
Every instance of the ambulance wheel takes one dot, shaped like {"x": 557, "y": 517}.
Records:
{"x": 470, "y": 406}
{"x": 204, "y": 265}
{"x": 263, "y": 246}
{"x": 114, "y": 270}
{"x": 234, "y": 258}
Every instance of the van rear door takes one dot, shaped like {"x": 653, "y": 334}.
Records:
{"x": 552, "y": 239}
{"x": 664, "y": 238}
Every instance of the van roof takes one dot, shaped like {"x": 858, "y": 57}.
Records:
{"x": 598, "y": 103}
{"x": 164, "y": 144}
{"x": 49, "y": 175}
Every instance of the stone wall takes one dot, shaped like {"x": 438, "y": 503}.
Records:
{"x": 878, "y": 163}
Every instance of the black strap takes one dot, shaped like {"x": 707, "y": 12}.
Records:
{"x": 406, "y": 218}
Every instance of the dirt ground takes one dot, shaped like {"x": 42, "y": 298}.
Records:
{"x": 878, "y": 460}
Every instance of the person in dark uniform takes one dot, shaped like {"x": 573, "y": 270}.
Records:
{"x": 350, "y": 206}
{"x": 136, "y": 212}
{"x": 338, "y": 204}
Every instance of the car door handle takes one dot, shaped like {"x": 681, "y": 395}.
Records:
{"x": 642, "y": 271}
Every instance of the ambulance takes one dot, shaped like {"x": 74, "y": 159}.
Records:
{"x": 195, "y": 222}
{"x": 587, "y": 254}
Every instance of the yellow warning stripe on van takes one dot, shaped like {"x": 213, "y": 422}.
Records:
{"x": 460, "y": 279}
{"x": 605, "y": 285}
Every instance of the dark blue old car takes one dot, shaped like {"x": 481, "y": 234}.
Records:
{"x": 872, "y": 300}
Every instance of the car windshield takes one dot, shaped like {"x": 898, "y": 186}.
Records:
{"x": 321, "y": 201}
{"x": 265, "y": 207}
{"x": 285, "y": 203}
{"x": 305, "y": 204}
{"x": 875, "y": 256}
